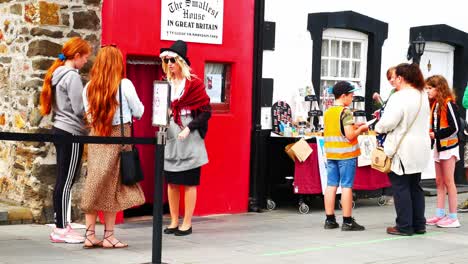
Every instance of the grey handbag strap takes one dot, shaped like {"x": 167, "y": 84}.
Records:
{"x": 417, "y": 113}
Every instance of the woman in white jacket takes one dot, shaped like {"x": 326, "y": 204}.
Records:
{"x": 406, "y": 119}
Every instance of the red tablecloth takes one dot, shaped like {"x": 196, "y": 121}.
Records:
{"x": 307, "y": 176}
{"x": 370, "y": 179}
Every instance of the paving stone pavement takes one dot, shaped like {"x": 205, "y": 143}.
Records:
{"x": 11, "y": 214}
{"x": 279, "y": 236}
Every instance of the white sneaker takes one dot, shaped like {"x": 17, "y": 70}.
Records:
{"x": 66, "y": 235}
{"x": 449, "y": 222}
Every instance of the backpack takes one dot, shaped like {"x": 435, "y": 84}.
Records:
{"x": 462, "y": 133}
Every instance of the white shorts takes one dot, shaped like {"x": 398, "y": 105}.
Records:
{"x": 446, "y": 154}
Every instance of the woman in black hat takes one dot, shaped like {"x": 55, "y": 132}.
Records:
{"x": 185, "y": 151}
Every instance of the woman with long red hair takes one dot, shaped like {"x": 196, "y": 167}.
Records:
{"x": 61, "y": 96}
{"x": 443, "y": 132}
{"x": 103, "y": 189}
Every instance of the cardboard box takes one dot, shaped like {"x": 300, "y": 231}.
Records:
{"x": 299, "y": 150}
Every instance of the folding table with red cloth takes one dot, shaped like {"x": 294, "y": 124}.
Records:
{"x": 368, "y": 182}
{"x": 307, "y": 179}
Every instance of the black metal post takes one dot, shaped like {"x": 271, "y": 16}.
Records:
{"x": 416, "y": 56}
{"x": 256, "y": 153}
{"x": 158, "y": 197}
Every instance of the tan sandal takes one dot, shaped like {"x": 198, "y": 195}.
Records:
{"x": 114, "y": 245}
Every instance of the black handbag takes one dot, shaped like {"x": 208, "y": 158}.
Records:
{"x": 130, "y": 167}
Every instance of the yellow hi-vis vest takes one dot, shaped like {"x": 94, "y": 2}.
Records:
{"x": 337, "y": 146}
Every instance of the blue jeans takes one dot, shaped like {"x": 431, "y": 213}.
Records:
{"x": 341, "y": 172}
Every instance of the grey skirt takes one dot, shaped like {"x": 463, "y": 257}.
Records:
{"x": 186, "y": 154}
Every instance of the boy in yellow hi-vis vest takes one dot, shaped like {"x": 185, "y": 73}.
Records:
{"x": 342, "y": 150}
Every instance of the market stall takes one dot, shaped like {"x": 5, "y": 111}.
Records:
{"x": 308, "y": 176}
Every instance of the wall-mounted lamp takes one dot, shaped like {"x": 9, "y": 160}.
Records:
{"x": 416, "y": 49}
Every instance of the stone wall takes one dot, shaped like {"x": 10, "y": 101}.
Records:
{"x": 31, "y": 35}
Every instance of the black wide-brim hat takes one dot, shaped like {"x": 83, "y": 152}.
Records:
{"x": 180, "y": 48}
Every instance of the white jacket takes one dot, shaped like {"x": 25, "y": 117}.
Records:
{"x": 415, "y": 149}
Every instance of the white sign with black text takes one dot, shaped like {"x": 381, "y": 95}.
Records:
{"x": 192, "y": 20}
{"x": 161, "y": 92}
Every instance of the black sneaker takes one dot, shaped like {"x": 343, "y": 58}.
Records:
{"x": 353, "y": 226}
{"x": 330, "y": 224}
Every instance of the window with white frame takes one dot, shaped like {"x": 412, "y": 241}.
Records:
{"x": 218, "y": 85}
{"x": 343, "y": 58}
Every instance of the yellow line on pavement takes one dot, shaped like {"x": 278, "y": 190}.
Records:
{"x": 349, "y": 244}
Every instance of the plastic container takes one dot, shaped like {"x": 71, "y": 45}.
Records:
{"x": 287, "y": 131}
{"x": 360, "y": 116}
{"x": 301, "y": 128}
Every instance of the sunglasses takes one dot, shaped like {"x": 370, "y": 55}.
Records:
{"x": 109, "y": 45}
{"x": 167, "y": 60}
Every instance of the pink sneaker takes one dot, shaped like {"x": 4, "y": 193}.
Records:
{"x": 74, "y": 233}
{"x": 66, "y": 235}
{"x": 449, "y": 222}
{"x": 434, "y": 220}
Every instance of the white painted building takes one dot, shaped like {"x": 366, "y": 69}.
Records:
{"x": 290, "y": 64}
{"x": 344, "y": 51}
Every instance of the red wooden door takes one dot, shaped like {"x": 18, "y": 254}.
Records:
{"x": 142, "y": 76}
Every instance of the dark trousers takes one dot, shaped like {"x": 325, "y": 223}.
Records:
{"x": 409, "y": 202}
{"x": 68, "y": 167}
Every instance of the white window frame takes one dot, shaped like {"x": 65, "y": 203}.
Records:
{"x": 351, "y": 36}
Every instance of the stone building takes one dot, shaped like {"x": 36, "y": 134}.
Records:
{"x": 31, "y": 35}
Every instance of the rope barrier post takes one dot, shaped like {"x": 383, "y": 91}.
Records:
{"x": 158, "y": 195}
{"x": 161, "y": 104}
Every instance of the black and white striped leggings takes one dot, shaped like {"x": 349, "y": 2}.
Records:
{"x": 68, "y": 168}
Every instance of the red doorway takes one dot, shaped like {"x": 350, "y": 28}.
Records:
{"x": 142, "y": 72}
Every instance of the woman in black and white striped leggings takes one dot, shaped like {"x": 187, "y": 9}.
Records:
{"x": 61, "y": 96}
{"x": 68, "y": 168}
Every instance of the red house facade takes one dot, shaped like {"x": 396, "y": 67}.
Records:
{"x": 135, "y": 27}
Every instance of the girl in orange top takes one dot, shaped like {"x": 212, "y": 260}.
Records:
{"x": 443, "y": 132}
